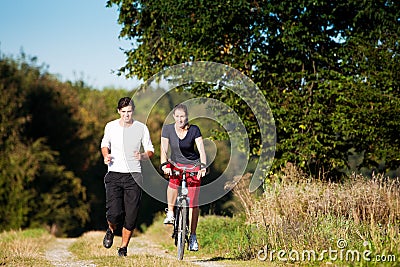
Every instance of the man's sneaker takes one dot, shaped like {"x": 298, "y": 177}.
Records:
{"x": 108, "y": 238}
{"x": 169, "y": 219}
{"x": 122, "y": 251}
{"x": 193, "y": 245}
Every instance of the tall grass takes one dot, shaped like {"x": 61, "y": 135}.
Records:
{"x": 299, "y": 213}
{"x": 24, "y": 248}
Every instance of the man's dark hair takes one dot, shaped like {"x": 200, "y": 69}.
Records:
{"x": 124, "y": 102}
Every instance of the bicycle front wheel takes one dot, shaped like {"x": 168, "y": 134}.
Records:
{"x": 182, "y": 229}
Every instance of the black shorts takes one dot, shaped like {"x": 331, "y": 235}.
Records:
{"x": 123, "y": 195}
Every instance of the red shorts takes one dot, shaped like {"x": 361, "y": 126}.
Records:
{"x": 192, "y": 182}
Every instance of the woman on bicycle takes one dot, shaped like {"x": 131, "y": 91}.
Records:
{"x": 182, "y": 138}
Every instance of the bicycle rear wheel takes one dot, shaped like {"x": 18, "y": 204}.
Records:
{"x": 182, "y": 228}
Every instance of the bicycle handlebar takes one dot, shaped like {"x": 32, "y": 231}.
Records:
{"x": 183, "y": 168}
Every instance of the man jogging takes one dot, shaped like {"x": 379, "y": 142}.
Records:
{"x": 120, "y": 147}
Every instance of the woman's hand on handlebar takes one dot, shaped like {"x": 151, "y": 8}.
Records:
{"x": 167, "y": 170}
{"x": 201, "y": 173}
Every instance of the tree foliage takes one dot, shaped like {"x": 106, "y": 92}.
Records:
{"x": 35, "y": 186}
{"x": 329, "y": 69}
{"x": 51, "y": 166}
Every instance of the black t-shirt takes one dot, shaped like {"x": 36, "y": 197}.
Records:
{"x": 182, "y": 150}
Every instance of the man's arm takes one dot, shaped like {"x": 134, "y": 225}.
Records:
{"x": 145, "y": 155}
{"x": 147, "y": 146}
{"x": 106, "y": 155}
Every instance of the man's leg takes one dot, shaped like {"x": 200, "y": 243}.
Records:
{"x": 112, "y": 226}
{"x": 126, "y": 237}
{"x": 113, "y": 206}
{"x": 132, "y": 197}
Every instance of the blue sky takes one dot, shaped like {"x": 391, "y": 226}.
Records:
{"x": 77, "y": 39}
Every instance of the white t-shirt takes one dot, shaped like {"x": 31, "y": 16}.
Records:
{"x": 123, "y": 142}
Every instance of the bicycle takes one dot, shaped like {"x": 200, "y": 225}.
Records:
{"x": 181, "y": 208}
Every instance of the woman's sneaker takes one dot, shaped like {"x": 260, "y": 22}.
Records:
{"x": 193, "y": 244}
{"x": 169, "y": 218}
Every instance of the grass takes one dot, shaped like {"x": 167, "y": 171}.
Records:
{"x": 309, "y": 222}
{"x": 24, "y": 248}
{"x": 297, "y": 214}
{"x": 219, "y": 240}
{"x": 295, "y": 217}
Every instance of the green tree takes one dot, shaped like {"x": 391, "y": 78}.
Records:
{"x": 27, "y": 161}
{"x": 329, "y": 69}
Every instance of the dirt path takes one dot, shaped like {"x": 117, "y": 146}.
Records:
{"x": 60, "y": 256}
{"x": 141, "y": 245}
